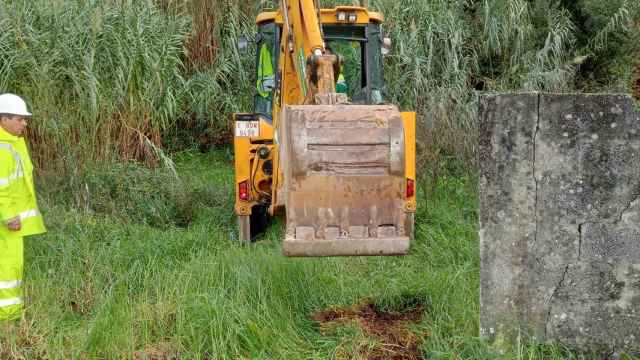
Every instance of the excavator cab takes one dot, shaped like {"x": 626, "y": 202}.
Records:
{"x": 342, "y": 173}
{"x": 359, "y": 47}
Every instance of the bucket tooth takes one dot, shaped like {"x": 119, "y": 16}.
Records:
{"x": 402, "y": 217}
{"x": 331, "y": 216}
{"x": 305, "y": 233}
{"x": 358, "y": 232}
{"x": 291, "y": 223}
{"x": 331, "y": 233}
{"x": 291, "y": 231}
{"x": 322, "y": 222}
{"x": 344, "y": 222}
{"x": 387, "y": 231}
{"x": 374, "y": 221}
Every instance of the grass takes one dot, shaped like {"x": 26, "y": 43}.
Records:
{"x": 104, "y": 284}
{"x": 139, "y": 263}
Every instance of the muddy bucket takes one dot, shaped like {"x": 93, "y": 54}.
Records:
{"x": 344, "y": 181}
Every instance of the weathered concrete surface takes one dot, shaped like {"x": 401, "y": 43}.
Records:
{"x": 560, "y": 220}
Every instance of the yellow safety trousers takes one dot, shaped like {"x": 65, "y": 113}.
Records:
{"x": 11, "y": 264}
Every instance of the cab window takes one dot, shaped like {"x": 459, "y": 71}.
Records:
{"x": 361, "y": 76}
{"x": 266, "y": 68}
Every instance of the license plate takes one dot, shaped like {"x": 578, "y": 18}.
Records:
{"x": 247, "y": 128}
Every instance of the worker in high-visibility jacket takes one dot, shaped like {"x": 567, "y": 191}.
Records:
{"x": 266, "y": 81}
{"x": 19, "y": 214}
{"x": 341, "y": 84}
{"x": 266, "y": 76}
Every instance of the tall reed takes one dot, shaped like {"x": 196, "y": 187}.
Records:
{"x": 104, "y": 79}
{"x": 113, "y": 80}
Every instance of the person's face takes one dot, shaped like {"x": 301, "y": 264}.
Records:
{"x": 14, "y": 125}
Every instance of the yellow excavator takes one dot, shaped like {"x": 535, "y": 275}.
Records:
{"x": 322, "y": 146}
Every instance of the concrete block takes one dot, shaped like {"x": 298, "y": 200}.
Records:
{"x": 560, "y": 219}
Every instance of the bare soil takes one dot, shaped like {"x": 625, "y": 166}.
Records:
{"x": 159, "y": 351}
{"x": 391, "y": 330}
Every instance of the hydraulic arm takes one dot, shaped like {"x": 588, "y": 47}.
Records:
{"x": 315, "y": 69}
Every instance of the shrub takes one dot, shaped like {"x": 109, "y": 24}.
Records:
{"x": 137, "y": 194}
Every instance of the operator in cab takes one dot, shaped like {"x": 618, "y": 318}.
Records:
{"x": 19, "y": 212}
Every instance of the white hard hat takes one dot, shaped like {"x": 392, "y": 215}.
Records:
{"x": 13, "y": 105}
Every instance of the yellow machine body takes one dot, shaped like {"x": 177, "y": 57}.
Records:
{"x": 343, "y": 174}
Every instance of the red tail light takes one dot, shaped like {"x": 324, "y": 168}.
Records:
{"x": 243, "y": 191}
{"x": 411, "y": 188}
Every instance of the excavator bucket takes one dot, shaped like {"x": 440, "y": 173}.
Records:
{"x": 345, "y": 182}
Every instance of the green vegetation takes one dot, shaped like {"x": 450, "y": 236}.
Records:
{"x": 140, "y": 260}
{"x": 108, "y": 284}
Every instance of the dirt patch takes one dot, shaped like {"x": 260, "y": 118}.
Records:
{"x": 19, "y": 338}
{"x": 394, "y": 340}
{"x": 159, "y": 351}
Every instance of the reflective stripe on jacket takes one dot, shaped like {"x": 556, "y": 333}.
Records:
{"x": 17, "y": 192}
